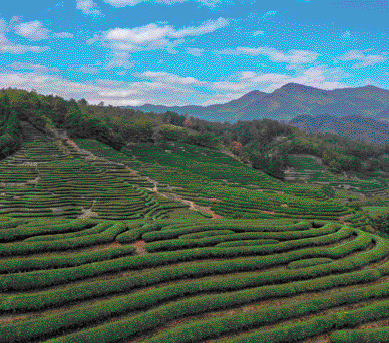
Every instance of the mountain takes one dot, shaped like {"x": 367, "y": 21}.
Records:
{"x": 288, "y": 101}
{"x": 354, "y": 127}
{"x": 231, "y": 110}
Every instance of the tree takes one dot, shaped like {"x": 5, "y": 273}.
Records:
{"x": 187, "y": 123}
{"x": 83, "y": 102}
{"x": 237, "y": 147}
{"x": 381, "y": 223}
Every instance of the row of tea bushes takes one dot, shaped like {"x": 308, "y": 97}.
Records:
{"x": 41, "y": 263}
{"x": 45, "y": 278}
{"x": 130, "y": 326}
{"x": 26, "y": 248}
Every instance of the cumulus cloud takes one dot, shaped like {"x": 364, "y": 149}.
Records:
{"x": 319, "y": 77}
{"x": 269, "y": 13}
{"x": 7, "y": 46}
{"x": 38, "y": 68}
{"x": 258, "y": 33}
{"x": 165, "y": 88}
{"x": 364, "y": 60}
{"x": 168, "y": 78}
{"x": 88, "y": 7}
{"x": 12, "y": 48}
{"x": 122, "y": 3}
{"x": 292, "y": 56}
{"x": 32, "y": 30}
{"x": 119, "y": 59}
{"x": 346, "y": 34}
{"x": 195, "y": 51}
{"x": 153, "y": 36}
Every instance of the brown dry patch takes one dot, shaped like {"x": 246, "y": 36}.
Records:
{"x": 140, "y": 247}
{"x": 270, "y": 212}
{"x": 88, "y": 213}
{"x": 342, "y": 218}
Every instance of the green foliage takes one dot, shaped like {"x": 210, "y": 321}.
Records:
{"x": 372, "y": 335}
{"x": 328, "y": 191}
{"x": 381, "y": 223}
{"x": 309, "y": 262}
{"x": 272, "y": 163}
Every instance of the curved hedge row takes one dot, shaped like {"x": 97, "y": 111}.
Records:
{"x": 246, "y": 243}
{"x": 25, "y": 248}
{"x": 309, "y": 262}
{"x": 373, "y": 335}
{"x": 138, "y": 323}
{"x": 24, "y": 265}
{"x": 45, "y": 278}
{"x": 23, "y": 231}
{"x": 226, "y": 225}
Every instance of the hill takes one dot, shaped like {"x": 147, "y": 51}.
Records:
{"x": 99, "y": 245}
{"x": 107, "y": 240}
{"x": 354, "y": 127}
{"x": 289, "y": 101}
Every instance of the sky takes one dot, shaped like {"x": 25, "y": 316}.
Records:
{"x": 190, "y": 52}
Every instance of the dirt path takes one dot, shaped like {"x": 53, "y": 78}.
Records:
{"x": 175, "y": 197}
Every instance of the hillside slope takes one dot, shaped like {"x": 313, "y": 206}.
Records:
{"x": 129, "y": 270}
{"x": 289, "y": 101}
{"x": 354, "y": 127}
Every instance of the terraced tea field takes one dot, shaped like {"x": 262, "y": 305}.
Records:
{"x": 89, "y": 280}
{"x": 102, "y": 246}
{"x": 219, "y": 183}
{"x": 308, "y": 169}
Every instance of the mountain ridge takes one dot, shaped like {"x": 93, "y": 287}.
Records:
{"x": 287, "y": 102}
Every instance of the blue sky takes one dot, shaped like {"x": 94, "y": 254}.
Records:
{"x": 179, "y": 52}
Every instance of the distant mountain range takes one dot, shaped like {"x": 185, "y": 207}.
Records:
{"x": 289, "y": 101}
{"x": 353, "y": 127}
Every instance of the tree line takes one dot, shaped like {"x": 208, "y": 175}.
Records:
{"x": 263, "y": 143}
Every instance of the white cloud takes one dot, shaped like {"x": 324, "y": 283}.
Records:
{"x": 14, "y": 18}
{"x": 32, "y": 30}
{"x": 258, "y": 33}
{"x": 30, "y": 66}
{"x": 168, "y": 78}
{"x": 269, "y": 13}
{"x": 169, "y": 89}
{"x": 119, "y": 59}
{"x": 153, "y": 36}
{"x": 88, "y": 7}
{"x": 63, "y": 35}
{"x": 122, "y": 3}
{"x": 21, "y": 49}
{"x": 195, "y": 51}
{"x": 364, "y": 60}
{"x": 6, "y": 46}
{"x": 319, "y": 77}
{"x": 345, "y": 34}
{"x": 292, "y": 56}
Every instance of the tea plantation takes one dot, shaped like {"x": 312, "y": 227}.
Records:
{"x": 147, "y": 245}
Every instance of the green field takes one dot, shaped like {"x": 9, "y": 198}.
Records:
{"x": 375, "y": 211}
{"x": 148, "y": 246}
